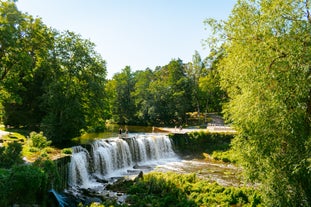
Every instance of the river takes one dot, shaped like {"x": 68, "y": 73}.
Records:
{"x": 105, "y": 160}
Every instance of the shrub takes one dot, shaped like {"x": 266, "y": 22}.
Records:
{"x": 23, "y": 184}
{"x": 53, "y": 178}
{"x": 67, "y": 151}
{"x": 4, "y": 180}
{"x": 34, "y": 149}
{"x": 201, "y": 141}
{"x": 39, "y": 140}
{"x": 11, "y": 155}
{"x": 226, "y": 156}
{"x": 49, "y": 150}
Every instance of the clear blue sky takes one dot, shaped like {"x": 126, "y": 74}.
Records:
{"x": 138, "y": 33}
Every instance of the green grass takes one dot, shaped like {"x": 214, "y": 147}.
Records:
{"x": 30, "y": 152}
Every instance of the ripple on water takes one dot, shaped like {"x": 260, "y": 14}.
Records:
{"x": 223, "y": 174}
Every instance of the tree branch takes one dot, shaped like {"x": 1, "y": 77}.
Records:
{"x": 283, "y": 55}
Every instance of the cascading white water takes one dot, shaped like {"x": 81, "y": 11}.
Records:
{"x": 78, "y": 169}
{"x": 152, "y": 148}
{"x": 109, "y": 156}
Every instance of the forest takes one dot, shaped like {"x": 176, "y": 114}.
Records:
{"x": 258, "y": 76}
{"x": 55, "y": 82}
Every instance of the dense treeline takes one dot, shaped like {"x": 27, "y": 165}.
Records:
{"x": 166, "y": 95}
{"x": 55, "y": 82}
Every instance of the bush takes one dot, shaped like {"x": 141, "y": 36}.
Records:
{"x": 67, "y": 151}
{"x": 4, "y": 180}
{"x": 11, "y": 155}
{"x": 226, "y": 156}
{"x": 23, "y": 184}
{"x": 39, "y": 140}
{"x": 201, "y": 141}
{"x": 53, "y": 178}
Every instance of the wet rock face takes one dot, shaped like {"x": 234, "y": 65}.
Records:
{"x": 140, "y": 176}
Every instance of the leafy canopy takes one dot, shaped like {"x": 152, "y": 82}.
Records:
{"x": 266, "y": 72}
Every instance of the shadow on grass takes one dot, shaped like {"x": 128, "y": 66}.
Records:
{"x": 21, "y": 131}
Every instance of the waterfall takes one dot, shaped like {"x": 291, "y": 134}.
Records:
{"x": 115, "y": 157}
{"x": 111, "y": 155}
{"x": 79, "y": 167}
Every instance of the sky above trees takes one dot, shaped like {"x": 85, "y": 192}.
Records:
{"x": 137, "y": 33}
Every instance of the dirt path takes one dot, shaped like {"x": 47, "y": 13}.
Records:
{"x": 2, "y": 133}
{"x": 212, "y": 129}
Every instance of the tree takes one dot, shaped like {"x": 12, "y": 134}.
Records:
{"x": 161, "y": 111}
{"x": 110, "y": 91}
{"x": 180, "y": 90}
{"x": 209, "y": 84}
{"x": 24, "y": 47}
{"x": 194, "y": 72}
{"x": 142, "y": 96}
{"x": 50, "y": 81}
{"x": 124, "y": 106}
{"x": 171, "y": 94}
{"x": 266, "y": 72}
{"x": 74, "y": 87}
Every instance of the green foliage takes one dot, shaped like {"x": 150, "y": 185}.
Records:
{"x": 67, "y": 151}
{"x": 49, "y": 80}
{"x": 21, "y": 184}
{"x": 56, "y": 82}
{"x": 229, "y": 156}
{"x": 123, "y": 104}
{"x": 4, "y": 175}
{"x": 165, "y": 96}
{"x": 38, "y": 140}
{"x": 22, "y": 59}
{"x": 171, "y": 189}
{"x": 146, "y": 97}
{"x": 201, "y": 142}
{"x": 73, "y": 98}
{"x": 28, "y": 184}
{"x": 266, "y": 73}
{"x": 143, "y": 98}
{"x": 52, "y": 177}
{"x": 195, "y": 70}
{"x": 11, "y": 155}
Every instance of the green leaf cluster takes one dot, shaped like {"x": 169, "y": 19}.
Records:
{"x": 49, "y": 80}
{"x": 266, "y": 74}
{"x": 28, "y": 184}
{"x": 38, "y": 140}
{"x": 11, "y": 155}
{"x": 21, "y": 184}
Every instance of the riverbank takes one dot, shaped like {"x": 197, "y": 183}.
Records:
{"x": 211, "y": 129}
